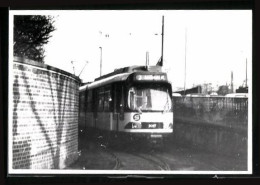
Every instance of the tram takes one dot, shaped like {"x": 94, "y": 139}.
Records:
{"x": 133, "y": 101}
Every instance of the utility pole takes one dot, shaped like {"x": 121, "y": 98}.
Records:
{"x": 100, "y": 60}
{"x": 147, "y": 59}
{"x": 185, "y": 60}
{"x": 73, "y": 67}
{"x": 246, "y": 72}
{"x": 232, "y": 87}
{"x": 162, "y": 38}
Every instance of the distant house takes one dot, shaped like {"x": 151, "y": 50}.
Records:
{"x": 223, "y": 90}
{"x": 242, "y": 90}
{"x": 196, "y": 90}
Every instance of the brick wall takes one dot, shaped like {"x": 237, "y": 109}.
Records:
{"x": 45, "y": 116}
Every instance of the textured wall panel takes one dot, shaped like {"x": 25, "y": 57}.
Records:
{"x": 45, "y": 116}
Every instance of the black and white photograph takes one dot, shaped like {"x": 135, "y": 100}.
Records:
{"x": 130, "y": 92}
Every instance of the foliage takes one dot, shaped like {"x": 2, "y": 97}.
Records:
{"x": 223, "y": 90}
{"x": 31, "y": 33}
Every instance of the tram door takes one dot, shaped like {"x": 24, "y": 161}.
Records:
{"x": 82, "y": 117}
{"x": 118, "y": 106}
{"x": 90, "y": 113}
{"x": 104, "y": 115}
{"x": 115, "y": 107}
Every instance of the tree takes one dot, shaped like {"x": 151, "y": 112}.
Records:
{"x": 223, "y": 90}
{"x": 31, "y": 33}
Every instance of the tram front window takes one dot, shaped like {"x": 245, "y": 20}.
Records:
{"x": 149, "y": 99}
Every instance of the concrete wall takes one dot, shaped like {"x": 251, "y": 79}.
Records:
{"x": 45, "y": 116}
{"x": 217, "y": 139}
{"x": 217, "y": 125}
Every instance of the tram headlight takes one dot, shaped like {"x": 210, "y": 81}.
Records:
{"x": 138, "y": 77}
{"x": 133, "y": 125}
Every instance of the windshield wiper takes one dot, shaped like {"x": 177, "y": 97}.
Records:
{"x": 139, "y": 110}
{"x": 166, "y": 105}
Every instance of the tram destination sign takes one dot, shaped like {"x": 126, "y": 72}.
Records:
{"x": 151, "y": 77}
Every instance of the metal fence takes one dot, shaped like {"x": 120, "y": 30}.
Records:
{"x": 225, "y": 110}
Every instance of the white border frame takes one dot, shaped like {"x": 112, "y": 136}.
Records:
{"x": 12, "y": 171}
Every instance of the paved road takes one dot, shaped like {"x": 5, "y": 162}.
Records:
{"x": 96, "y": 154}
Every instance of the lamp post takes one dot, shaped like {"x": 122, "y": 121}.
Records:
{"x": 73, "y": 67}
{"x": 185, "y": 61}
{"x": 162, "y": 37}
{"x": 100, "y": 60}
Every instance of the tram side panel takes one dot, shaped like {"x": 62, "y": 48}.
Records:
{"x": 103, "y": 109}
{"x": 81, "y": 110}
{"x": 89, "y": 122}
{"x": 99, "y": 112}
{"x": 86, "y": 114}
{"x": 109, "y": 107}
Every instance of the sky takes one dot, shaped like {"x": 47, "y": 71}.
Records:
{"x": 217, "y": 42}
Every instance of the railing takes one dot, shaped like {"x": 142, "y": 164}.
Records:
{"x": 216, "y": 110}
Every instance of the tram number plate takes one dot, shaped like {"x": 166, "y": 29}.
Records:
{"x": 156, "y": 136}
{"x": 152, "y": 125}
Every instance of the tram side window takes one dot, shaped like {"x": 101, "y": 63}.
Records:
{"x": 104, "y": 99}
{"x": 107, "y": 99}
{"x": 120, "y": 98}
{"x": 100, "y": 97}
{"x": 115, "y": 89}
{"x": 90, "y": 101}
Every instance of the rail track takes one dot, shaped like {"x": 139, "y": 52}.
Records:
{"x": 117, "y": 160}
{"x": 156, "y": 161}
{"x": 150, "y": 157}
{"x": 100, "y": 154}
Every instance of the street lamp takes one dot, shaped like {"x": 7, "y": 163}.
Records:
{"x": 73, "y": 67}
{"x": 100, "y": 60}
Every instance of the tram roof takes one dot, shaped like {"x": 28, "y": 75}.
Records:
{"x": 115, "y": 78}
{"x": 120, "y": 75}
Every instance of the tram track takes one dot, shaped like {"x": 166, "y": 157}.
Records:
{"x": 117, "y": 164}
{"x": 132, "y": 153}
{"x": 149, "y": 156}
{"x": 155, "y": 160}
{"x": 117, "y": 160}
{"x": 99, "y": 154}
{"x": 122, "y": 158}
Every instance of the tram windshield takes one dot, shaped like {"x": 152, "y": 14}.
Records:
{"x": 149, "y": 99}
